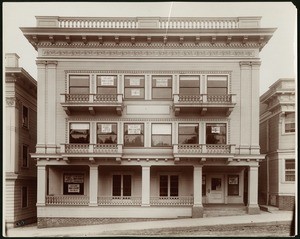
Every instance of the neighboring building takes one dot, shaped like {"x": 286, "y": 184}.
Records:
{"x": 19, "y": 141}
{"x": 146, "y": 117}
{"x": 277, "y": 172}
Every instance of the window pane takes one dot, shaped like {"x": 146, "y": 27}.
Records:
{"x": 217, "y": 91}
{"x": 134, "y": 81}
{"x": 134, "y": 93}
{"x": 133, "y": 141}
{"x": 106, "y": 90}
{"x": 106, "y": 81}
{"x": 107, "y": 129}
{"x": 233, "y": 185}
{"x": 216, "y": 184}
{"x": 107, "y": 139}
{"x": 189, "y": 91}
{"x": 173, "y": 185}
{"x": 215, "y": 133}
{"x": 188, "y": 139}
{"x": 79, "y": 133}
{"x": 24, "y": 197}
{"x": 79, "y": 80}
{"x": 161, "y": 129}
{"x": 161, "y": 93}
{"x": 126, "y": 185}
{"x": 217, "y": 81}
{"x": 161, "y": 140}
{"x": 134, "y": 128}
{"x": 25, "y": 156}
{"x": 189, "y": 81}
{"x": 78, "y": 90}
{"x": 188, "y": 129}
{"x": 163, "y": 185}
{"x": 161, "y": 81}
{"x": 116, "y": 185}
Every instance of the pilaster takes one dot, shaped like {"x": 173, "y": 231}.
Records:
{"x": 253, "y": 207}
{"x": 41, "y": 185}
{"x": 93, "y": 185}
{"x": 197, "y": 210}
{"x": 41, "y": 106}
{"x": 145, "y": 186}
{"x": 51, "y": 106}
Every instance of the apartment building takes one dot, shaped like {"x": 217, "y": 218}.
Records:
{"x": 145, "y": 118}
{"x": 19, "y": 141}
{"x": 277, "y": 174}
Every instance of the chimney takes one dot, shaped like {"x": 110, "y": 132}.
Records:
{"x": 11, "y": 60}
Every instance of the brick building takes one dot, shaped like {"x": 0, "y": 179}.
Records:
{"x": 277, "y": 140}
{"x": 146, "y": 117}
{"x": 20, "y": 140}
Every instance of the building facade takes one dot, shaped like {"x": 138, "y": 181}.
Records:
{"x": 277, "y": 172}
{"x": 146, "y": 117}
{"x": 20, "y": 140}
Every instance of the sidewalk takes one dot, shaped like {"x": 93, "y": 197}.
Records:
{"x": 98, "y": 230}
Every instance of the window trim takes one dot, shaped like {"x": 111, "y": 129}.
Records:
{"x": 284, "y": 124}
{"x": 27, "y": 156}
{"x": 168, "y": 87}
{"x": 170, "y": 146}
{"x": 169, "y": 174}
{"x": 23, "y": 125}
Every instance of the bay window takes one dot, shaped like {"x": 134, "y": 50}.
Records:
{"x": 133, "y": 135}
{"x": 161, "y": 87}
{"x": 215, "y": 133}
{"x": 188, "y": 134}
{"x": 106, "y": 133}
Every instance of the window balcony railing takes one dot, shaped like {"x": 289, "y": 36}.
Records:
{"x": 67, "y": 200}
{"x": 91, "y": 149}
{"x": 172, "y": 201}
{"x": 205, "y": 102}
{"x": 71, "y": 102}
{"x": 196, "y": 149}
{"x": 120, "y": 200}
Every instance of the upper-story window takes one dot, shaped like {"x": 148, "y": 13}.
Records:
{"x": 188, "y": 134}
{"x": 217, "y": 85}
{"x": 161, "y": 87}
{"x": 290, "y": 170}
{"x": 25, "y": 156}
{"x": 106, "y": 84}
{"x": 80, "y": 133}
{"x": 215, "y": 133}
{"x": 161, "y": 135}
{"x": 25, "y": 116}
{"x": 79, "y": 84}
{"x": 189, "y": 85}
{"x": 106, "y": 133}
{"x": 134, "y": 87}
{"x": 289, "y": 122}
{"x": 134, "y": 135}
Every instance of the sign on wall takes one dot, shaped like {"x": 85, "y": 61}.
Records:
{"x": 135, "y": 92}
{"x": 161, "y": 82}
{"x": 134, "y": 129}
{"x": 73, "y": 184}
{"x": 233, "y": 180}
{"x": 73, "y": 188}
{"x": 106, "y": 128}
{"x": 215, "y": 129}
{"x": 107, "y": 80}
{"x": 74, "y": 178}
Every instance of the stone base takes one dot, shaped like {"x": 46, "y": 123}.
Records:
{"x": 197, "y": 212}
{"x": 253, "y": 209}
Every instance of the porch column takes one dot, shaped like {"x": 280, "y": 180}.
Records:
{"x": 41, "y": 185}
{"x": 145, "y": 185}
{"x": 93, "y": 185}
{"x": 197, "y": 207}
{"x": 253, "y": 207}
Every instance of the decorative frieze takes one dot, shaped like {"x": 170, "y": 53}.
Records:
{"x": 116, "y": 53}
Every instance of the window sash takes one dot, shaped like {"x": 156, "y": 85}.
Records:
{"x": 25, "y": 155}
{"x": 24, "y": 193}
{"x": 216, "y": 133}
{"x": 79, "y": 133}
{"x": 290, "y": 170}
{"x": 168, "y": 185}
{"x": 25, "y": 113}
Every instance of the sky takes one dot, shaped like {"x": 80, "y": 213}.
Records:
{"x": 278, "y": 56}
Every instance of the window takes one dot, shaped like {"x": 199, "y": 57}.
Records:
{"x": 215, "y": 133}
{"x": 79, "y": 84}
{"x": 106, "y": 133}
{"x": 161, "y": 135}
{"x": 24, "y": 194}
{"x": 134, "y": 87}
{"x": 203, "y": 185}
{"x": 134, "y": 135}
{"x": 188, "y": 134}
{"x": 189, "y": 85}
{"x": 217, "y": 85}
{"x": 161, "y": 87}
{"x": 80, "y": 133}
{"x": 168, "y": 185}
{"x": 290, "y": 170}
{"x": 233, "y": 185}
{"x": 216, "y": 184}
{"x": 73, "y": 184}
{"x": 121, "y": 185}
{"x": 289, "y": 122}
{"x": 106, "y": 84}
{"x": 25, "y": 113}
{"x": 25, "y": 156}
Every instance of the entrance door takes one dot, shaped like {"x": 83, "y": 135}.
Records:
{"x": 215, "y": 189}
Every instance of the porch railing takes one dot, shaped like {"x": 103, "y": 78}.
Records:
{"x": 204, "y": 99}
{"x": 204, "y": 148}
{"x": 119, "y": 200}
{"x": 67, "y": 200}
{"x": 92, "y": 98}
{"x": 91, "y": 148}
{"x": 172, "y": 201}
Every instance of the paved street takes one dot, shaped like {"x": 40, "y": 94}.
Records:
{"x": 280, "y": 219}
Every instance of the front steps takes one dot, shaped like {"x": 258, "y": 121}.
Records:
{"x": 215, "y": 210}
{"x": 268, "y": 208}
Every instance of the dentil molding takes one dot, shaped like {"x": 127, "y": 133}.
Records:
{"x": 157, "y": 53}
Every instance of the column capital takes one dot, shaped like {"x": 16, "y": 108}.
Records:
{"x": 255, "y": 64}
{"x": 41, "y": 63}
{"x": 245, "y": 63}
{"x": 198, "y": 166}
{"x": 93, "y": 167}
{"x": 52, "y": 63}
{"x": 13, "y": 102}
